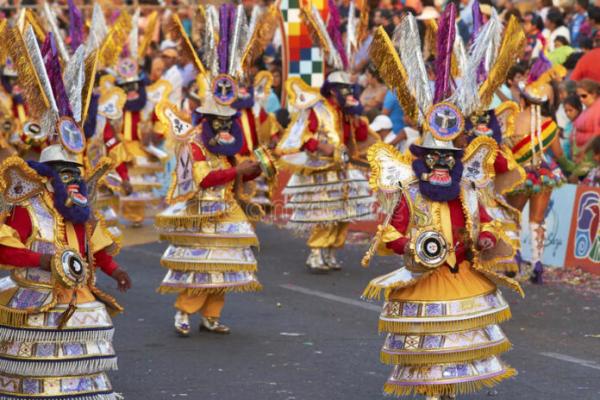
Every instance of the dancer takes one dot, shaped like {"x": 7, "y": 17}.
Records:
{"x": 442, "y": 309}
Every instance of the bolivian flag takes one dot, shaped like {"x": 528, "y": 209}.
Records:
{"x": 524, "y": 150}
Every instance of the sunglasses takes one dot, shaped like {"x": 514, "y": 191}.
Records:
{"x": 583, "y": 96}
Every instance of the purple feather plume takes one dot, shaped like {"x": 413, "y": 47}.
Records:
{"x": 477, "y": 26}
{"x": 541, "y": 65}
{"x": 224, "y": 28}
{"x": 52, "y": 64}
{"x": 75, "y": 26}
{"x": 443, "y": 62}
{"x": 333, "y": 28}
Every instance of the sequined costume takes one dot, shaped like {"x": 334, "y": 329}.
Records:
{"x": 55, "y": 325}
{"x": 210, "y": 235}
{"x": 443, "y": 308}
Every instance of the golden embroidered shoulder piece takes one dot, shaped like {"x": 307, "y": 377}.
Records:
{"x": 18, "y": 182}
{"x": 390, "y": 169}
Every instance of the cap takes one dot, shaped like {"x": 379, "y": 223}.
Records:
{"x": 381, "y": 122}
{"x": 57, "y": 153}
{"x": 211, "y": 107}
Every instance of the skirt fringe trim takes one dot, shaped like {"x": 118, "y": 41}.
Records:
{"x": 448, "y": 389}
{"x": 207, "y": 267}
{"x": 432, "y": 358}
{"x": 183, "y": 240}
{"x": 97, "y": 396}
{"x": 457, "y": 325}
{"x": 59, "y": 367}
{"x": 54, "y": 335}
{"x": 248, "y": 287}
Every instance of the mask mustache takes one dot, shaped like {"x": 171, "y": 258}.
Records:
{"x": 75, "y": 197}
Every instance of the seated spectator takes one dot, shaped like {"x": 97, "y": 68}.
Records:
{"x": 572, "y": 107}
{"x": 588, "y": 66}
{"x": 578, "y": 20}
{"x": 374, "y": 92}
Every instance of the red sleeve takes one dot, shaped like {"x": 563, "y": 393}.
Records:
{"x": 123, "y": 171}
{"x": 106, "y": 263}
{"x": 19, "y": 220}
{"x": 313, "y": 121}
{"x": 578, "y": 71}
{"x": 197, "y": 153}
{"x": 218, "y": 178}
{"x": 311, "y": 145}
{"x": 483, "y": 215}
{"x": 361, "y": 132}
{"x": 400, "y": 221}
{"x": 501, "y": 164}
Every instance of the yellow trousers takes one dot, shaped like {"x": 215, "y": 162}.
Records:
{"x": 134, "y": 212}
{"x": 326, "y": 236}
{"x": 208, "y": 304}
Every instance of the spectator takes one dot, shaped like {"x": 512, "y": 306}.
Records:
{"x": 562, "y": 51}
{"x": 572, "y": 107}
{"x": 392, "y": 108}
{"x": 536, "y": 43}
{"x": 382, "y": 125}
{"x": 577, "y": 20}
{"x": 172, "y": 72}
{"x": 593, "y": 177}
{"x": 543, "y": 7}
{"x": 586, "y": 126}
{"x": 555, "y": 27}
{"x": 386, "y": 22}
{"x": 594, "y": 19}
{"x": 374, "y": 92}
{"x": 588, "y": 66}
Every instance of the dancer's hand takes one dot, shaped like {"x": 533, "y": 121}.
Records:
{"x": 46, "y": 262}
{"x": 326, "y": 149}
{"x": 127, "y": 187}
{"x": 122, "y": 278}
{"x": 247, "y": 167}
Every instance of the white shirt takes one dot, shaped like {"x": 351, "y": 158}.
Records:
{"x": 173, "y": 75}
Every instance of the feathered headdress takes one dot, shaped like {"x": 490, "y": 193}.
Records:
{"x": 231, "y": 44}
{"x": 57, "y": 99}
{"x": 481, "y": 69}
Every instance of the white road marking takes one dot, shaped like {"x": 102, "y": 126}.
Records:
{"x": 373, "y": 307}
{"x": 574, "y": 360}
{"x": 332, "y": 297}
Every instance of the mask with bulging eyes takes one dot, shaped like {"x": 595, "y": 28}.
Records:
{"x": 221, "y": 127}
{"x": 132, "y": 90}
{"x": 480, "y": 125}
{"x": 346, "y": 98}
{"x": 439, "y": 163}
{"x": 70, "y": 177}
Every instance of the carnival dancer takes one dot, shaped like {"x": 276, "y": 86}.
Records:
{"x": 442, "y": 309}
{"x": 56, "y": 331}
{"x": 137, "y": 132}
{"x": 104, "y": 114}
{"x": 210, "y": 236}
{"x": 536, "y": 133}
{"x": 325, "y": 193}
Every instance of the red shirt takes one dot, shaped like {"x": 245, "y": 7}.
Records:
{"x": 19, "y": 220}
{"x": 588, "y": 67}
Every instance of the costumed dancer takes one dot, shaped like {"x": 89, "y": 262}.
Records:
{"x": 137, "y": 129}
{"x": 55, "y": 326}
{"x": 268, "y": 131}
{"x": 104, "y": 113}
{"x": 325, "y": 193}
{"x": 536, "y": 133}
{"x": 442, "y": 310}
{"x": 211, "y": 238}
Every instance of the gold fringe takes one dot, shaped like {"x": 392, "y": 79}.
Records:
{"x": 498, "y": 279}
{"x": 3, "y": 49}
{"x": 37, "y": 25}
{"x": 249, "y": 287}
{"x": 148, "y": 34}
{"x": 188, "y": 222}
{"x": 109, "y": 301}
{"x": 448, "y": 389}
{"x": 373, "y": 291}
{"x": 261, "y": 37}
{"x": 313, "y": 26}
{"x": 511, "y": 47}
{"x": 184, "y": 240}
{"x": 400, "y": 326}
{"x": 14, "y": 318}
{"x": 115, "y": 40}
{"x": 207, "y": 267}
{"x": 176, "y": 29}
{"x": 37, "y": 101}
{"x": 432, "y": 357}
{"x": 390, "y": 68}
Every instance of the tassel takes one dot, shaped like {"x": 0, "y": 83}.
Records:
{"x": 11, "y": 334}
{"x": 432, "y": 357}
{"x": 400, "y": 325}
{"x": 184, "y": 239}
{"x": 207, "y": 267}
{"x": 448, "y": 389}
{"x": 64, "y": 367}
{"x": 247, "y": 287}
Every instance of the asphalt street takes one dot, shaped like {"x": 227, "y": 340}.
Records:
{"x": 310, "y": 337}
